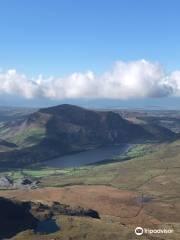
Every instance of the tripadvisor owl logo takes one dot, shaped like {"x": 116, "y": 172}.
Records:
{"x": 139, "y": 231}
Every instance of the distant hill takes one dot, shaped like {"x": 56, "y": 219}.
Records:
{"x": 64, "y": 129}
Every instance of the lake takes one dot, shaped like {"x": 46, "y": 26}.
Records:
{"x": 88, "y": 157}
{"x": 47, "y": 226}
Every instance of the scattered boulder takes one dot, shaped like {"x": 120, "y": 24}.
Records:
{"x": 25, "y": 182}
{"x": 41, "y": 211}
{"x": 37, "y": 208}
{"x": 58, "y": 208}
{"x": 6, "y": 182}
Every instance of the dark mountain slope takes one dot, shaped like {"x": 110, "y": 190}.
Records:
{"x": 69, "y": 129}
{"x": 159, "y": 132}
{"x": 7, "y": 144}
{"x": 77, "y": 126}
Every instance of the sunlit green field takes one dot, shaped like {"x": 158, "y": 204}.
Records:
{"x": 141, "y": 164}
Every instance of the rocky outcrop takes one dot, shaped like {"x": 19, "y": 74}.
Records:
{"x": 22, "y": 183}
{"x": 56, "y": 208}
{"x": 25, "y": 182}
{"x": 63, "y": 209}
{"x": 16, "y": 216}
{"x": 6, "y": 182}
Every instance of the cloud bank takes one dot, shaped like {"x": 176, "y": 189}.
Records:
{"x": 126, "y": 80}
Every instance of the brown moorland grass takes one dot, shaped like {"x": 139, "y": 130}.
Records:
{"x": 106, "y": 200}
{"x": 156, "y": 175}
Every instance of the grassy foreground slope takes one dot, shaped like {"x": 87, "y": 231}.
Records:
{"x": 161, "y": 162}
{"x": 144, "y": 191}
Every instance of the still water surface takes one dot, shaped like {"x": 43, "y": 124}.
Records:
{"x": 88, "y": 157}
{"x": 47, "y": 226}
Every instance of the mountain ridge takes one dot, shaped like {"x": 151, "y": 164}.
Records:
{"x": 66, "y": 129}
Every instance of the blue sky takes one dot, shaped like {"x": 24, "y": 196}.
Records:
{"x": 59, "y": 37}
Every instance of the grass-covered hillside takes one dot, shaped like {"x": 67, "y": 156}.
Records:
{"x": 143, "y": 190}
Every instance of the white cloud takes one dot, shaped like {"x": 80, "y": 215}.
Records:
{"x": 17, "y": 84}
{"x": 136, "y": 79}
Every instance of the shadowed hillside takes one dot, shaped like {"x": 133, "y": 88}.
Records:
{"x": 56, "y": 131}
